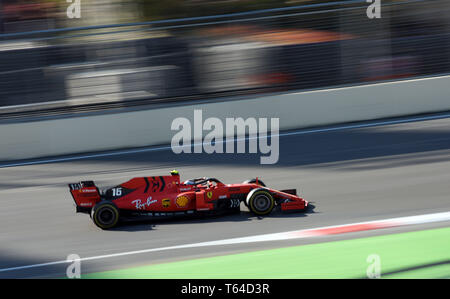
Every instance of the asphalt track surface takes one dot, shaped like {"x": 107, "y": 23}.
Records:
{"x": 349, "y": 175}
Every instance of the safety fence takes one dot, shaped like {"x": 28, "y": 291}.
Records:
{"x": 291, "y": 48}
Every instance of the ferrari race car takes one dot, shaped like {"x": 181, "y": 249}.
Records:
{"x": 166, "y": 196}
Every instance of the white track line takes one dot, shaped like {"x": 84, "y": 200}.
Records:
{"x": 167, "y": 147}
{"x": 299, "y": 234}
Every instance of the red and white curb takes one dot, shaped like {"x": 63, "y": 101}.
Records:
{"x": 335, "y": 230}
{"x": 298, "y": 234}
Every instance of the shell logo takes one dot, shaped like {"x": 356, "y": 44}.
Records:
{"x": 182, "y": 201}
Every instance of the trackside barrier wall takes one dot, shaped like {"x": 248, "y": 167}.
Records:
{"x": 91, "y": 133}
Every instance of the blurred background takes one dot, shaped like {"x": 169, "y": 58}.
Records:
{"x": 123, "y": 51}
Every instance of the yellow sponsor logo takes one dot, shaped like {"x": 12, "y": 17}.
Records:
{"x": 166, "y": 203}
{"x": 209, "y": 194}
{"x": 182, "y": 201}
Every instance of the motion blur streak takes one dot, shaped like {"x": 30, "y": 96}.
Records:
{"x": 322, "y": 231}
{"x": 91, "y": 60}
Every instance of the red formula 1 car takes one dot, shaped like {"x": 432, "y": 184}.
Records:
{"x": 166, "y": 196}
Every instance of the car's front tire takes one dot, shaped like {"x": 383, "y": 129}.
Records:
{"x": 105, "y": 215}
{"x": 260, "y": 202}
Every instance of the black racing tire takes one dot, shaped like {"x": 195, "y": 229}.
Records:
{"x": 105, "y": 214}
{"x": 260, "y": 202}
{"x": 253, "y": 181}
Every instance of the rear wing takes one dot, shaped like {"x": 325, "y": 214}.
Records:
{"x": 85, "y": 195}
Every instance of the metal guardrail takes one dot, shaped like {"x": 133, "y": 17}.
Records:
{"x": 206, "y": 20}
{"x": 196, "y": 19}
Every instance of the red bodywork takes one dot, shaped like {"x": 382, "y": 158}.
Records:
{"x": 166, "y": 194}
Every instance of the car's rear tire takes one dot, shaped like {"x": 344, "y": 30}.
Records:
{"x": 260, "y": 202}
{"x": 253, "y": 181}
{"x": 105, "y": 215}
